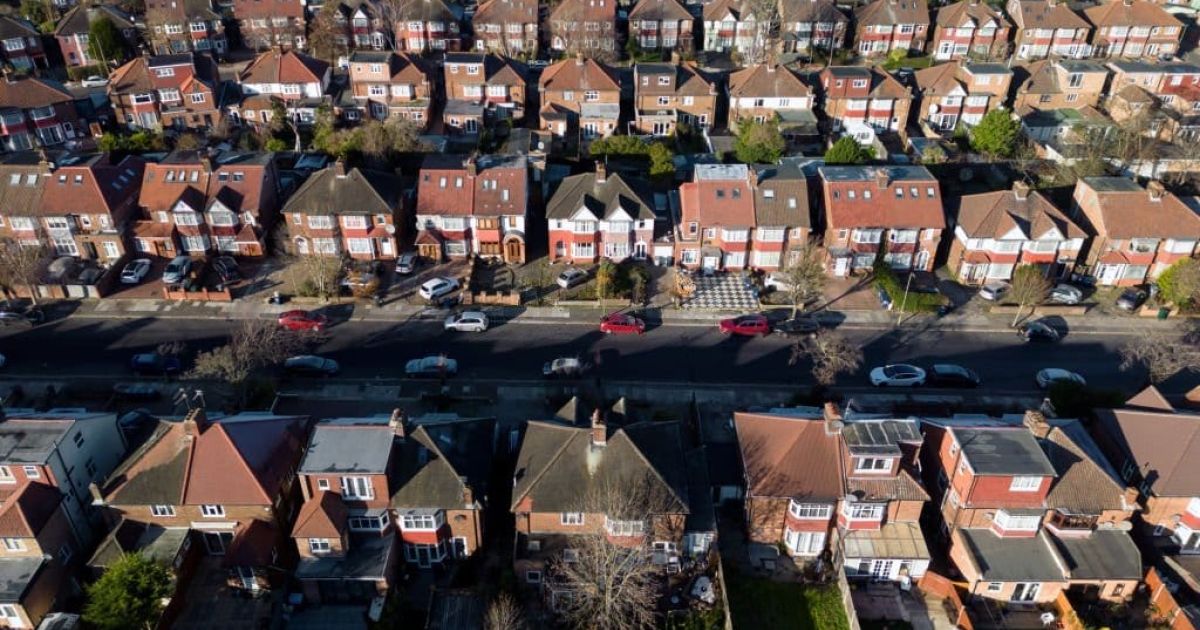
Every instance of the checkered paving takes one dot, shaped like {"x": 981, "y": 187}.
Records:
{"x": 723, "y": 292}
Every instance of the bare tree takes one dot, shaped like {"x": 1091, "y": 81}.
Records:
{"x": 766, "y": 19}
{"x": 504, "y": 614}
{"x": 21, "y": 265}
{"x": 257, "y": 344}
{"x": 326, "y": 36}
{"x": 804, "y": 279}
{"x": 1029, "y": 287}
{"x": 831, "y": 354}
{"x": 1162, "y": 355}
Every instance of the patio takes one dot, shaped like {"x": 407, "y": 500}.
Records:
{"x": 210, "y": 603}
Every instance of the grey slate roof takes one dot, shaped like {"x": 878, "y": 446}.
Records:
{"x": 1012, "y": 559}
{"x": 30, "y": 440}
{"x": 789, "y": 188}
{"x": 457, "y": 609}
{"x": 367, "y": 557}
{"x": 1002, "y": 451}
{"x": 432, "y": 465}
{"x": 350, "y": 449}
{"x": 1101, "y": 555}
{"x": 16, "y": 574}
{"x": 360, "y": 191}
{"x": 601, "y": 198}
{"x": 153, "y": 541}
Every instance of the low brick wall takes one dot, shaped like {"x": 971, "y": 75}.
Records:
{"x": 502, "y": 298}
{"x": 203, "y": 295}
{"x": 1044, "y": 309}
{"x": 945, "y": 590}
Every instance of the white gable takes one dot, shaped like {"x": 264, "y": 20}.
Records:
{"x": 217, "y": 206}
{"x": 1015, "y": 234}
{"x": 619, "y": 215}
{"x": 182, "y": 207}
{"x": 1052, "y": 235}
{"x": 583, "y": 214}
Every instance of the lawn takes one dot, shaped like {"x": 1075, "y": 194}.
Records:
{"x": 761, "y": 603}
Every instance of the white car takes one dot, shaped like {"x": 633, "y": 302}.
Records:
{"x": 467, "y": 321}
{"x": 571, "y": 277}
{"x": 993, "y": 291}
{"x": 436, "y": 288}
{"x": 94, "y": 80}
{"x": 776, "y": 282}
{"x": 135, "y": 271}
{"x": 432, "y": 366}
{"x": 1065, "y": 294}
{"x": 898, "y": 375}
{"x": 1048, "y": 377}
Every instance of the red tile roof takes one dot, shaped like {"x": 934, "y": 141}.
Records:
{"x": 104, "y": 185}
{"x": 482, "y": 194}
{"x": 287, "y": 67}
{"x": 719, "y": 196}
{"x": 883, "y": 209}
{"x": 24, "y": 515}
{"x": 323, "y": 516}
{"x": 786, "y": 456}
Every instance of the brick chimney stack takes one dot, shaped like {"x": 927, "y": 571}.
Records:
{"x": 601, "y": 173}
{"x": 1020, "y": 190}
{"x": 1035, "y": 421}
{"x": 833, "y": 419}
{"x": 397, "y": 421}
{"x": 472, "y": 166}
{"x": 1156, "y": 190}
{"x": 468, "y": 495}
{"x": 339, "y": 167}
{"x": 195, "y": 422}
{"x": 599, "y": 429}
{"x": 881, "y": 178}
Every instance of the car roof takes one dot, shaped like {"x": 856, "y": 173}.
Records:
{"x": 472, "y": 314}
{"x": 948, "y": 367}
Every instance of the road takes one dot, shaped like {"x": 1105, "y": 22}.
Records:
{"x": 698, "y": 354}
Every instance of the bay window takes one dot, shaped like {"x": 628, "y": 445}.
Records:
{"x": 863, "y": 511}
{"x": 320, "y": 222}
{"x": 623, "y": 528}
{"x": 771, "y": 235}
{"x": 418, "y": 520}
{"x": 804, "y": 543}
{"x": 368, "y": 523}
{"x": 809, "y": 510}
{"x": 1017, "y": 522}
{"x": 1025, "y": 484}
{"x": 354, "y": 222}
{"x": 866, "y": 236}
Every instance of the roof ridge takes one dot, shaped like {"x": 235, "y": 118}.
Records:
{"x": 432, "y": 445}
{"x": 533, "y": 482}
{"x": 242, "y": 458}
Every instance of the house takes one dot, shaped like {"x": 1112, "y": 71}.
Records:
{"x": 662, "y": 25}
{"x": 37, "y": 113}
{"x": 232, "y": 480}
{"x": 89, "y": 203}
{"x": 481, "y": 88}
{"x": 585, "y": 26}
{"x": 472, "y": 206}
{"x": 769, "y": 91}
{"x": 507, "y": 27}
{"x": 1179, "y": 97}
{"x": 866, "y": 205}
{"x": 962, "y": 92}
{"x": 1060, "y": 84}
{"x": 426, "y": 25}
{"x": 669, "y": 95}
{"x": 22, "y": 44}
{"x": 1045, "y": 28}
{"x": 278, "y": 23}
{"x": 355, "y": 211}
{"x": 361, "y": 25}
{"x": 386, "y": 84}
{"x": 579, "y": 96}
{"x": 782, "y": 218}
{"x": 168, "y": 91}
{"x": 856, "y": 95}
{"x": 886, "y": 25}
{"x": 731, "y": 26}
{"x": 600, "y": 215}
{"x": 996, "y": 232}
{"x": 296, "y": 79}
{"x": 1133, "y": 29}
{"x": 22, "y": 179}
{"x": 1133, "y": 90}
{"x": 1136, "y": 233}
{"x": 38, "y": 548}
{"x": 970, "y": 29}
{"x": 180, "y": 26}
{"x": 812, "y": 25}
{"x": 834, "y": 490}
{"x": 194, "y": 204}
{"x": 1172, "y": 590}
{"x": 73, "y": 31}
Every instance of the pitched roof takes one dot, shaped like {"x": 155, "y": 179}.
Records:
{"x": 883, "y": 209}
{"x": 1135, "y": 13}
{"x": 274, "y": 66}
{"x": 717, "y": 10}
{"x": 32, "y": 92}
{"x": 719, "y": 195}
{"x": 332, "y": 190}
{"x": 402, "y": 66}
{"x": 787, "y": 456}
{"x": 969, "y": 12}
{"x": 500, "y": 185}
{"x": 497, "y": 70}
{"x": 1162, "y": 443}
{"x": 439, "y": 460}
{"x": 892, "y": 12}
{"x": 1008, "y": 451}
{"x": 578, "y": 74}
{"x": 997, "y": 214}
{"x": 1048, "y": 14}
{"x": 91, "y": 184}
{"x": 1043, "y": 77}
{"x": 810, "y": 11}
{"x": 175, "y": 11}
{"x": 25, "y": 514}
{"x": 601, "y": 198}
{"x": 585, "y": 11}
{"x": 338, "y": 448}
{"x": 1086, "y": 482}
{"x": 79, "y": 19}
{"x": 781, "y": 196}
{"x": 883, "y": 84}
{"x": 766, "y": 80}
{"x": 11, "y": 27}
{"x": 136, "y": 74}
{"x": 425, "y": 11}
{"x": 1123, "y": 209}
{"x": 505, "y": 11}
{"x": 687, "y": 81}
{"x": 660, "y": 10}
{"x": 22, "y": 183}
{"x": 323, "y": 516}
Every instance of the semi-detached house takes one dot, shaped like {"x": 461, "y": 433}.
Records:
{"x": 854, "y": 95}
{"x": 346, "y": 211}
{"x": 601, "y": 215}
{"x": 1133, "y": 29}
{"x": 472, "y": 205}
{"x": 89, "y": 203}
{"x": 962, "y": 92}
{"x": 1045, "y": 28}
{"x": 970, "y": 28}
{"x": 887, "y": 25}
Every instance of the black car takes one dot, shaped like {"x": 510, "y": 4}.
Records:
{"x": 1131, "y": 299}
{"x": 1038, "y": 331}
{"x": 950, "y": 375}
{"x": 798, "y": 327}
{"x": 227, "y": 268}
{"x": 154, "y": 364}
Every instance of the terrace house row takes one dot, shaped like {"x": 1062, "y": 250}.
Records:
{"x": 472, "y": 206}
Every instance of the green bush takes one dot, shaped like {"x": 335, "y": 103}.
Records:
{"x": 916, "y": 302}
{"x": 83, "y": 72}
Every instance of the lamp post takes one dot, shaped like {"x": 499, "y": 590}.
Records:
{"x": 904, "y": 302}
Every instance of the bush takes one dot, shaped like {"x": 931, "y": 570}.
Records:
{"x": 916, "y": 302}
{"x": 83, "y": 72}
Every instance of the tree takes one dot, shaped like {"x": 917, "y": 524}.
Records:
{"x": 386, "y": 139}
{"x": 1180, "y": 283}
{"x": 188, "y": 142}
{"x": 804, "y": 279}
{"x": 759, "y": 142}
{"x": 256, "y": 345}
{"x": 1162, "y": 355}
{"x": 764, "y": 15}
{"x": 847, "y": 150}
{"x": 129, "y": 594}
{"x": 662, "y": 161}
{"x": 831, "y": 354}
{"x": 21, "y": 265}
{"x": 1030, "y": 286}
{"x": 996, "y": 134}
{"x": 606, "y": 279}
{"x": 40, "y": 13}
{"x": 933, "y": 154}
{"x": 323, "y": 42}
{"x": 105, "y": 41}
{"x": 504, "y": 614}
{"x": 618, "y": 145}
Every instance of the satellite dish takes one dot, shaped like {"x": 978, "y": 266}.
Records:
{"x": 933, "y": 108}
{"x": 390, "y": 229}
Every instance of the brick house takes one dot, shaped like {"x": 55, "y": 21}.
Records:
{"x": 1174, "y": 594}
{"x": 180, "y": 26}
{"x": 170, "y": 91}
{"x": 507, "y": 27}
{"x": 667, "y": 95}
{"x": 22, "y": 44}
{"x": 1132, "y": 29}
{"x": 37, "y": 113}
{"x": 600, "y": 215}
{"x": 782, "y": 218}
{"x": 22, "y": 179}
{"x": 426, "y": 25}
{"x": 338, "y": 211}
{"x": 297, "y": 80}
{"x": 362, "y": 25}
{"x": 835, "y": 490}
{"x": 481, "y": 88}
{"x": 662, "y": 25}
{"x": 88, "y": 205}
{"x": 769, "y": 91}
{"x": 731, "y": 26}
{"x": 868, "y": 96}
{"x": 579, "y": 96}
{"x": 998, "y": 231}
{"x": 231, "y": 480}
{"x": 585, "y": 26}
{"x": 1045, "y": 28}
{"x": 472, "y": 205}
{"x": 886, "y": 25}
{"x": 73, "y": 30}
{"x": 278, "y": 23}
{"x": 1136, "y": 233}
{"x": 970, "y": 29}
{"x": 866, "y": 205}
{"x": 812, "y": 25}
{"x": 386, "y": 84}
{"x": 1060, "y": 84}
{"x": 35, "y": 562}
{"x": 962, "y": 92}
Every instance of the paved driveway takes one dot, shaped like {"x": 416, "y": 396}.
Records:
{"x": 722, "y": 292}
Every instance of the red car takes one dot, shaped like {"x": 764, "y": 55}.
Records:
{"x": 303, "y": 320}
{"x": 622, "y": 324}
{"x": 747, "y": 325}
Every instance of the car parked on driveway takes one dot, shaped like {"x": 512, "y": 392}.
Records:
{"x": 994, "y": 291}
{"x": 433, "y": 366}
{"x": 563, "y": 367}
{"x": 1065, "y": 294}
{"x": 1038, "y": 331}
{"x": 155, "y": 364}
{"x": 467, "y": 321}
{"x": 1131, "y": 298}
{"x": 177, "y": 269}
{"x": 135, "y": 271}
{"x": 951, "y": 375}
{"x": 622, "y": 324}
{"x": 406, "y": 263}
{"x": 437, "y": 287}
{"x": 311, "y": 364}
{"x": 897, "y": 375}
{"x": 745, "y": 325}
{"x": 303, "y": 320}
{"x": 1048, "y": 377}
{"x": 227, "y": 269}
{"x": 572, "y": 277}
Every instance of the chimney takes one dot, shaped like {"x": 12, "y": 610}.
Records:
{"x": 1020, "y": 190}
{"x": 771, "y": 67}
{"x": 833, "y": 419}
{"x": 601, "y": 173}
{"x": 579, "y": 59}
{"x": 1051, "y": 3}
{"x": 1036, "y": 423}
{"x": 97, "y": 496}
{"x": 397, "y": 421}
{"x": 674, "y": 58}
{"x": 881, "y": 178}
{"x": 1128, "y": 3}
{"x": 599, "y": 429}
{"x": 1130, "y": 496}
{"x": 339, "y": 167}
{"x": 468, "y": 495}
{"x": 1156, "y": 190}
{"x": 195, "y": 422}
{"x": 472, "y": 166}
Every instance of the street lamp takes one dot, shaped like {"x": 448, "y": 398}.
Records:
{"x": 904, "y": 302}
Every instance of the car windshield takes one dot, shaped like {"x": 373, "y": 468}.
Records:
{"x": 951, "y": 370}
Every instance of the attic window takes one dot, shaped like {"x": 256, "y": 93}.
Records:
{"x": 79, "y": 179}
{"x": 1025, "y": 484}
{"x": 222, "y": 177}
{"x": 737, "y": 194}
{"x": 170, "y": 176}
{"x": 62, "y": 179}
{"x": 195, "y": 176}
{"x": 664, "y": 80}
{"x": 720, "y": 193}
{"x": 239, "y": 176}
{"x": 768, "y": 194}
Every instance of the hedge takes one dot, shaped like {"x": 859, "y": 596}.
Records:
{"x": 917, "y": 302}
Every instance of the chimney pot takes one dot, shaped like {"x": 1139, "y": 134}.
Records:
{"x": 468, "y": 495}
{"x": 881, "y": 178}
{"x": 472, "y": 166}
{"x": 601, "y": 173}
{"x": 397, "y": 421}
{"x": 599, "y": 429}
{"x": 579, "y": 59}
{"x": 1156, "y": 190}
{"x": 1020, "y": 190}
{"x": 833, "y": 419}
{"x": 195, "y": 422}
{"x": 1035, "y": 421}
{"x": 339, "y": 167}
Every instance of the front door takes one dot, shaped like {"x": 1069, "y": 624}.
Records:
{"x": 841, "y": 267}
{"x": 246, "y": 577}
{"x": 1110, "y": 273}
{"x": 922, "y": 260}
{"x": 711, "y": 262}
{"x": 217, "y": 542}
{"x": 1026, "y": 592}
{"x": 514, "y": 253}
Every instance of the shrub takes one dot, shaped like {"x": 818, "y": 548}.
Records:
{"x": 915, "y": 301}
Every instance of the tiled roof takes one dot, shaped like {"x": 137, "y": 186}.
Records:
{"x": 322, "y": 516}
{"x": 973, "y": 12}
{"x": 601, "y": 198}
{"x": 939, "y": 80}
{"x": 764, "y": 80}
{"x": 286, "y": 67}
{"x": 1163, "y": 443}
{"x": 1135, "y": 13}
{"x": 21, "y": 185}
{"x": 1126, "y": 210}
{"x": 578, "y": 74}
{"x": 176, "y": 11}
{"x": 996, "y": 214}
{"x": 424, "y": 11}
{"x": 1086, "y": 482}
{"x": 883, "y": 209}
{"x": 660, "y": 10}
{"x": 788, "y": 456}
{"x": 687, "y": 81}
{"x": 358, "y": 191}
{"x": 1043, "y": 76}
{"x": 781, "y": 196}
{"x": 717, "y": 10}
{"x": 1048, "y": 14}
{"x": 585, "y": 11}
{"x": 11, "y": 27}
{"x": 31, "y": 92}
{"x": 499, "y": 187}
{"x": 902, "y": 487}
{"x": 103, "y": 186}
{"x": 439, "y": 460}
{"x": 893, "y": 12}
{"x": 806, "y": 11}
{"x": 506, "y": 11}
{"x": 720, "y": 195}
{"x": 78, "y": 20}
{"x": 25, "y": 514}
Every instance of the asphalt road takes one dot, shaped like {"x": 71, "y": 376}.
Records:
{"x": 100, "y": 347}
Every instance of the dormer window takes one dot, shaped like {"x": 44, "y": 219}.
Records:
{"x": 1017, "y": 522}
{"x": 1025, "y": 484}
{"x": 664, "y": 80}
{"x": 872, "y": 464}
{"x": 810, "y": 511}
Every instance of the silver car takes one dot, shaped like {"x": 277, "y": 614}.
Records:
{"x": 467, "y": 321}
{"x": 1065, "y": 294}
{"x": 177, "y": 269}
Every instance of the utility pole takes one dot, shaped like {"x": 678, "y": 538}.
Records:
{"x": 904, "y": 302}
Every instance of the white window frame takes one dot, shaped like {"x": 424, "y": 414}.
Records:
{"x": 571, "y": 518}
{"x": 872, "y": 464}
{"x": 212, "y": 511}
{"x": 624, "y": 528}
{"x": 357, "y": 487}
{"x": 421, "y": 522}
{"x": 1025, "y": 483}
{"x": 162, "y": 511}
{"x": 319, "y": 545}
{"x": 1017, "y": 523}
{"x": 810, "y": 511}
{"x": 864, "y": 511}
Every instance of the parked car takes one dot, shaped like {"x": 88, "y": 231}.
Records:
{"x": 951, "y": 375}
{"x": 135, "y": 271}
{"x": 563, "y": 367}
{"x": 406, "y": 263}
{"x": 745, "y": 325}
{"x": 303, "y": 320}
{"x": 311, "y": 364}
{"x": 571, "y": 277}
{"x": 885, "y": 300}
{"x": 1131, "y": 298}
{"x": 432, "y": 366}
{"x": 437, "y": 287}
{"x": 798, "y": 327}
{"x": 539, "y": 64}
{"x": 622, "y": 324}
{"x": 776, "y": 281}
{"x": 135, "y": 391}
{"x": 94, "y": 80}
{"x": 1048, "y": 377}
{"x": 361, "y": 276}
{"x": 994, "y": 291}
{"x": 467, "y": 321}
{"x": 177, "y": 269}
{"x": 897, "y": 375}
{"x": 227, "y": 269}
{"x": 1038, "y": 331}
{"x": 1065, "y": 294}
{"x": 19, "y": 319}
{"x": 155, "y": 364}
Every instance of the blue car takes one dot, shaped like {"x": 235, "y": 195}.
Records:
{"x": 154, "y": 364}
